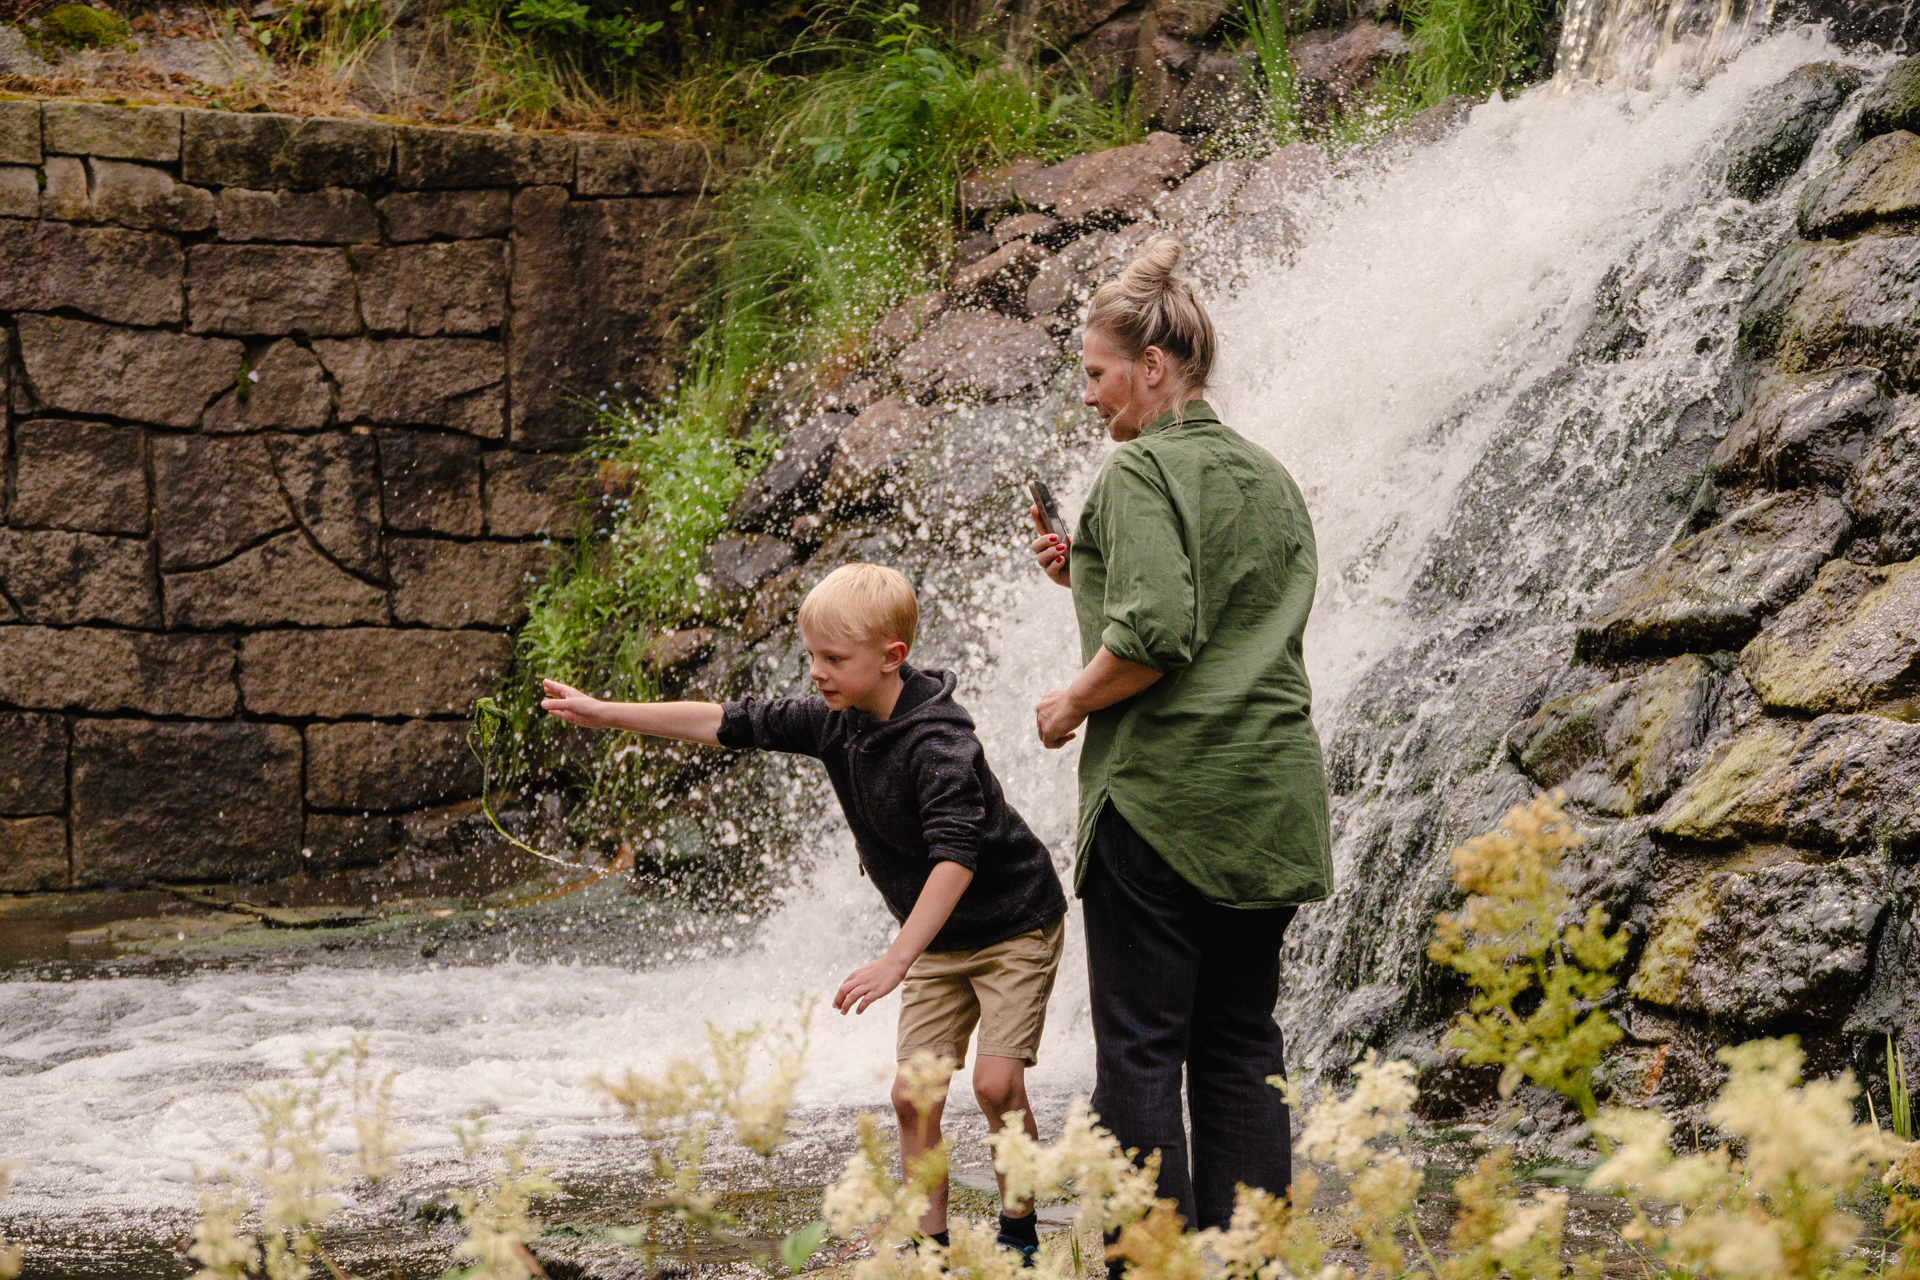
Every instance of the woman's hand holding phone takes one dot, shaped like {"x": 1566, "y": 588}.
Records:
{"x": 1052, "y": 546}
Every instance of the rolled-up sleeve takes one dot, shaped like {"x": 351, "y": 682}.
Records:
{"x": 953, "y": 807}
{"x": 779, "y": 724}
{"x": 1149, "y": 605}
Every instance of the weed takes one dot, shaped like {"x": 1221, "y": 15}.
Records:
{"x": 1479, "y": 46}
{"x": 1266, "y": 34}
{"x": 1899, "y": 1100}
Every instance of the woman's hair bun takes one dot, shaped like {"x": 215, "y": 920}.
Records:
{"x": 1149, "y": 304}
{"x": 1154, "y": 266}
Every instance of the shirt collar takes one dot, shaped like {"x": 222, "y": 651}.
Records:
{"x": 1192, "y": 411}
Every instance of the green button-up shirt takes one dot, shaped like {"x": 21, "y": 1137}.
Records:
{"x": 1194, "y": 556}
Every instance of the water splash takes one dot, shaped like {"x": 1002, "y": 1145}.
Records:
{"x": 1633, "y": 41}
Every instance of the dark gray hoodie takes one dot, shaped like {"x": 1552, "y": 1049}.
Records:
{"x": 917, "y": 790}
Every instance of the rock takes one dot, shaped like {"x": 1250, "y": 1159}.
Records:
{"x": 20, "y": 132}
{"x": 1806, "y": 430}
{"x": 213, "y": 496}
{"x": 878, "y": 446}
{"x": 431, "y": 483}
{"x": 1885, "y": 492}
{"x": 1120, "y": 184}
{"x": 33, "y": 763}
{"x": 463, "y": 584}
{"x": 335, "y": 215}
{"x": 985, "y": 190}
{"x": 19, "y": 192}
{"x": 457, "y": 383}
{"x": 772, "y": 605}
{"x": 608, "y": 165}
{"x": 76, "y": 579}
{"x": 1843, "y": 783}
{"x": 1204, "y": 196}
{"x": 675, "y": 651}
{"x": 601, "y": 302}
{"x": 370, "y": 671}
{"x": 1852, "y": 643}
{"x": 138, "y": 195}
{"x": 1160, "y": 67}
{"x": 430, "y": 289}
{"x": 738, "y": 565}
{"x": 1068, "y": 20}
{"x": 1713, "y": 591}
{"x": 336, "y": 840}
{"x": 903, "y": 324}
{"x": 1816, "y": 306}
{"x": 529, "y": 494}
{"x": 791, "y": 484}
{"x": 113, "y": 133}
{"x": 476, "y": 158}
{"x": 451, "y": 215}
{"x": 90, "y": 476}
{"x": 1000, "y": 279}
{"x": 95, "y": 669}
{"x": 287, "y": 390}
{"x": 124, "y": 277}
{"x": 1190, "y": 19}
{"x": 1782, "y": 126}
{"x": 1877, "y": 183}
{"x": 1107, "y": 56}
{"x": 66, "y": 196}
{"x": 1037, "y": 227}
{"x": 283, "y": 153}
{"x": 270, "y": 289}
{"x": 1433, "y": 124}
{"x": 33, "y": 855}
{"x": 1330, "y": 74}
{"x": 184, "y": 801}
{"x": 1053, "y": 286}
{"x": 1625, "y": 747}
{"x": 977, "y": 351}
{"x": 1274, "y": 181}
{"x": 1893, "y": 104}
{"x": 143, "y": 374}
{"x": 381, "y": 766}
{"x": 281, "y": 581}
{"x": 333, "y": 485}
{"x": 1222, "y": 93}
{"x": 215, "y": 61}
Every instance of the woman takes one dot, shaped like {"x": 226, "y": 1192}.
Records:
{"x": 1203, "y": 804}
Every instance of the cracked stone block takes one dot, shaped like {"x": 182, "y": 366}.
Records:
{"x": 459, "y": 383}
{"x": 333, "y": 484}
{"x": 33, "y": 854}
{"x": 138, "y": 195}
{"x": 268, "y": 152}
{"x": 213, "y": 497}
{"x": 431, "y": 483}
{"x": 437, "y": 583}
{"x": 370, "y": 671}
{"x": 88, "y": 476}
{"x": 114, "y": 133}
{"x": 147, "y": 375}
{"x": 271, "y": 289}
{"x": 380, "y": 766}
{"x": 533, "y": 494}
{"x": 447, "y": 215}
{"x": 104, "y": 670}
{"x": 33, "y": 763}
{"x": 284, "y": 580}
{"x": 481, "y": 158}
{"x": 67, "y": 579}
{"x": 335, "y": 215}
{"x": 431, "y": 289}
{"x": 112, "y": 274}
{"x": 287, "y": 390}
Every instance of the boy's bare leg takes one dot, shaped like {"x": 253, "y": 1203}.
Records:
{"x": 1000, "y": 1086}
{"x": 919, "y": 1134}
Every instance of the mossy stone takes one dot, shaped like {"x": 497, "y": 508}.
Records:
{"x": 78, "y": 26}
{"x": 1783, "y": 126}
{"x": 1894, "y": 105}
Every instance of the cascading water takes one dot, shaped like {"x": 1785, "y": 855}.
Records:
{"x": 1435, "y": 364}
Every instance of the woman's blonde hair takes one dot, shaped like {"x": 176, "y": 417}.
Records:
{"x": 1147, "y": 305}
{"x": 868, "y": 603}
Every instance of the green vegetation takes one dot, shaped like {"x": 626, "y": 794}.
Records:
{"x": 1899, "y": 1100}
{"x": 1479, "y": 46}
{"x": 78, "y": 26}
{"x": 1266, "y": 35}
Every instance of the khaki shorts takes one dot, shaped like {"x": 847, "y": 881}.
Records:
{"x": 1003, "y": 988}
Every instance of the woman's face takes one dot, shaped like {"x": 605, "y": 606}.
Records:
{"x": 1127, "y": 394}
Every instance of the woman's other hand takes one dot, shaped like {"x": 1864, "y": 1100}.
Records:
{"x": 1056, "y": 718}
{"x": 563, "y": 702}
{"x": 1050, "y": 549}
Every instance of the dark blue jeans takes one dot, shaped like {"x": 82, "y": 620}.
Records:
{"x": 1178, "y": 982}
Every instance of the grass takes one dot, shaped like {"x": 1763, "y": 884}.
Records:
{"x": 1479, "y": 46}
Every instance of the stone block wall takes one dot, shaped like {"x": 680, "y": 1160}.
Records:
{"x": 286, "y": 405}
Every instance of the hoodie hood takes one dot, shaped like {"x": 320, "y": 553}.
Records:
{"x": 926, "y": 698}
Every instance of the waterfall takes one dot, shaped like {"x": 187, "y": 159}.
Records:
{"x": 1624, "y": 41}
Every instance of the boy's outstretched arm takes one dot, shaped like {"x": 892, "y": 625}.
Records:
{"x": 945, "y": 883}
{"x": 688, "y": 721}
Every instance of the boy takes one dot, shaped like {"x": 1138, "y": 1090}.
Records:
{"x": 981, "y": 910}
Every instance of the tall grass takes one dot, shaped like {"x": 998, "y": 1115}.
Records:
{"x": 1266, "y": 34}
{"x": 1479, "y": 46}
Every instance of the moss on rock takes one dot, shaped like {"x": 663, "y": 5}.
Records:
{"x": 79, "y": 26}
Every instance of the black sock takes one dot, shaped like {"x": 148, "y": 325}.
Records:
{"x": 1022, "y": 1233}
{"x": 940, "y": 1238}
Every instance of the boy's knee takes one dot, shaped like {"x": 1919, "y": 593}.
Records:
{"x": 999, "y": 1092}
{"x": 905, "y": 1107}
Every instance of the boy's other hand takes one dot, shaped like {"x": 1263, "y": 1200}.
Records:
{"x": 563, "y": 702}
{"x": 868, "y": 983}
{"x": 1050, "y": 549}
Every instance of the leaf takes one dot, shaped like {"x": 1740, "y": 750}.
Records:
{"x": 801, "y": 1244}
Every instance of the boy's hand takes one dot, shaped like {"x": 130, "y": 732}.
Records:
{"x": 564, "y": 702}
{"x": 869, "y": 983}
{"x": 1050, "y": 549}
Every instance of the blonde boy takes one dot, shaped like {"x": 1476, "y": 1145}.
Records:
{"x": 980, "y": 906}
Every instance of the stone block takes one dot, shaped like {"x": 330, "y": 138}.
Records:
{"x": 214, "y": 496}
{"x": 1120, "y": 184}
{"x": 1817, "y": 306}
{"x": 158, "y": 802}
{"x": 271, "y": 289}
{"x": 431, "y": 289}
{"x": 89, "y": 476}
{"x": 33, "y": 763}
{"x": 431, "y": 483}
{"x": 102, "y": 670}
{"x": 985, "y": 190}
{"x": 333, "y": 484}
{"x": 1274, "y": 182}
{"x": 139, "y": 195}
{"x": 115, "y": 133}
{"x": 287, "y": 390}
{"x": 33, "y": 854}
{"x": 792, "y": 482}
{"x": 124, "y": 277}
{"x": 1713, "y": 591}
{"x": 877, "y": 447}
{"x": 336, "y": 840}
{"x": 382, "y": 766}
{"x": 1000, "y": 279}
{"x": 1851, "y": 643}
{"x": 739, "y": 565}
{"x": 1806, "y": 430}
{"x": 1885, "y": 492}
{"x": 977, "y": 352}
{"x": 447, "y": 215}
{"x": 606, "y": 165}
{"x": 463, "y": 584}
{"x": 370, "y": 671}
{"x": 532, "y": 494}
{"x": 282, "y": 153}
{"x": 281, "y": 581}
{"x": 20, "y": 133}
{"x": 66, "y": 195}
{"x": 62, "y": 579}
{"x": 1878, "y": 183}
{"x": 476, "y": 158}
{"x": 459, "y": 383}
{"x": 19, "y": 192}
{"x": 601, "y": 299}
{"x": 147, "y": 375}
{"x": 335, "y": 215}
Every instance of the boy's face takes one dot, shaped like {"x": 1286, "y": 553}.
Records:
{"x": 850, "y": 672}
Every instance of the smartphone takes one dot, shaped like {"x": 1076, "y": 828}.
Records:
{"x": 1049, "y": 514}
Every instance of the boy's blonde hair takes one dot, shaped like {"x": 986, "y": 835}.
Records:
{"x": 866, "y": 602}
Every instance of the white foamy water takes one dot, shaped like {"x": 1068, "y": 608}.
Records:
{"x": 1374, "y": 364}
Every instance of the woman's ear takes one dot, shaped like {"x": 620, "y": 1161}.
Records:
{"x": 1153, "y": 367}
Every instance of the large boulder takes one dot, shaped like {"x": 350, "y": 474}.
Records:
{"x": 1783, "y": 125}
{"x": 1818, "y": 305}
{"x": 1878, "y": 183}
{"x": 1893, "y": 104}
{"x": 877, "y": 447}
{"x": 790, "y": 486}
{"x": 1116, "y": 185}
{"x": 1331, "y": 74}
{"x": 1885, "y": 492}
{"x": 1852, "y": 643}
{"x": 977, "y": 352}
{"x": 1809, "y": 429}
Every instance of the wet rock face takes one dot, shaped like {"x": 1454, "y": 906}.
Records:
{"x": 1893, "y": 104}
{"x": 1784, "y": 125}
{"x": 1806, "y": 430}
{"x": 1885, "y": 491}
{"x": 1852, "y": 643}
{"x": 1880, "y": 181}
{"x": 1820, "y": 305}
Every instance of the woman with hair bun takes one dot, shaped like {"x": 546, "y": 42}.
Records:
{"x": 1203, "y": 802}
